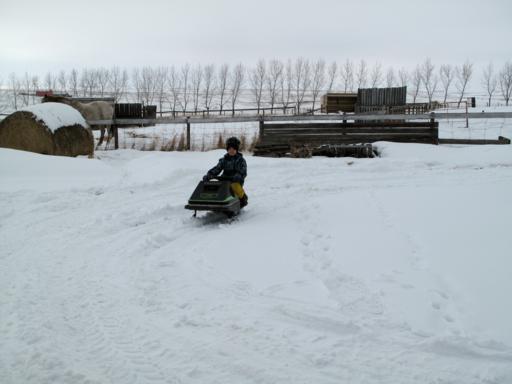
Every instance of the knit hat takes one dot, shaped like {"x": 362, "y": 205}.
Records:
{"x": 232, "y": 142}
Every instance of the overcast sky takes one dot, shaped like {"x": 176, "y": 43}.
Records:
{"x": 39, "y": 36}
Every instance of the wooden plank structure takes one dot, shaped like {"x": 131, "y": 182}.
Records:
{"x": 501, "y": 141}
{"x": 338, "y": 102}
{"x": 331, "y": 117}
{"x": 368, "y": 99}
{"x": 111, "y": 100}
{"x": 280, "y": 139}
{"x": 377, "y": 100}
{"x": 128, "y": 111}
{"x": 149, "y": 111}
{"x": 134, "y": 111}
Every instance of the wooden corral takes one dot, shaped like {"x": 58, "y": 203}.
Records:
{"x": 279, "y": 139}
{"x": 338, "y": 102}
{"x": 24, "y": 130}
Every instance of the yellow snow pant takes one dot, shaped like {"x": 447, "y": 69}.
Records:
{"x": 237, "y": 190}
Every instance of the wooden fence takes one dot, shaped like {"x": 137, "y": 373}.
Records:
{"x": 337, "y": 119}
{"x": 279, "y": 139}
{"x": 368, "y": 98}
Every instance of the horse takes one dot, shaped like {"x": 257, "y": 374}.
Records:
{"x": 95, "y": 110}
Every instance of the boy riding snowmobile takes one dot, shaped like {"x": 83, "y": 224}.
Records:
{"x": 234, "y": 169}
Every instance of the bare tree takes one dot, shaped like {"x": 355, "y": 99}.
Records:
{"x": 26, "y": 86}
{"x": 317, "y": 80}
{"x": 161, "y": 86}
{"x": 446, "y": 74}
{"x": 35, "y": 86}
{"x": 223, "y": 85}
{"x": 403, "y": 77}
{"x": 429, "y": 78}
{"x": 137, "y": 84}
{"x": 3, "y": 95}
{"x": 118, "y": 82}
{"x": 286, "y": 85}
{"x": 103, "y": 78}
{"x": 148, "y": 84}
{"x": 274, "y": 76}
{"x": 209, "y": 85}
{"x": 197, "y": 79}
{"x": 376, "y": 75}
{"x": 62, "y": 81}
{"x": 185, "y": 84}
{"x": 332, "y": 71}
{"x": 73, "y": 82}
{"x": 506, "y": 81}
{"x": 14, "y": 85}
{"x": 257, "y": 79}
{"x": 463, "y": 75}
{"x": 347, "y": 75}
{"x": 301, "y": 80}
{"x": 362, "y": 74}
{"x": 89, "y": 81}
{"x": 173, "y": 82}
{"x": 237, "y": 80}
{"x": 416, "y": 80}
{"x": 489, "y": 81}
{"x": 50, "y": 81}
{"x": 390, "y": 77}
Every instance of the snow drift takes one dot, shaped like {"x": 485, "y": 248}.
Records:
{"x": 386, "y": 270}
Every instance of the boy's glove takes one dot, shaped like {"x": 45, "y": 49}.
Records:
{"x": 206, "y": 178}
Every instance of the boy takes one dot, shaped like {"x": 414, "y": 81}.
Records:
{"x": 235, "y": 169}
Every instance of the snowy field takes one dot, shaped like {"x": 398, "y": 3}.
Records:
{"x": 388, "y": 270}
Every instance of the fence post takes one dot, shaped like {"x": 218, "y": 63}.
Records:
{"x": 116, "y": 137}
{"x": 262, "y": 129}
{"x": 188, "y": 133}
{"x": 467, "y": 119}
{"x": 433, "y": 128}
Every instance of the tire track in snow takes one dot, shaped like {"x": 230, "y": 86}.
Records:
{"x": 439, "y": 300}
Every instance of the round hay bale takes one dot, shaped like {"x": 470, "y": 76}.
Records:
{"x": 49, "y": 128}
{"x": 73, "y": 141}
{"x": 22, "y": 131}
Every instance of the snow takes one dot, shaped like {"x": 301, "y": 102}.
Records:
{"x": 387, "y": 270}
{"x": 56, "y": 115}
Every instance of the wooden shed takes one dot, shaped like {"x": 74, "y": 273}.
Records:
{"x": 338, "y": 102}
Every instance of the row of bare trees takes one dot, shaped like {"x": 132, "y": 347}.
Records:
{"x": 272, "y": 84}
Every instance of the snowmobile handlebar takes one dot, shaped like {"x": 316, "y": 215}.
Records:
{"x": 221, "y": 178}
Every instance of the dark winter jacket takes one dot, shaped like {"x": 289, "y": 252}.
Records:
{"x": 234, "y": 167}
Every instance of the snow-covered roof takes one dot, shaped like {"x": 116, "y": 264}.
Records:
{"x": 56, "y": 115}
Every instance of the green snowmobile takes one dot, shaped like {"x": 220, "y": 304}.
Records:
{"x": 216, "y": 196}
